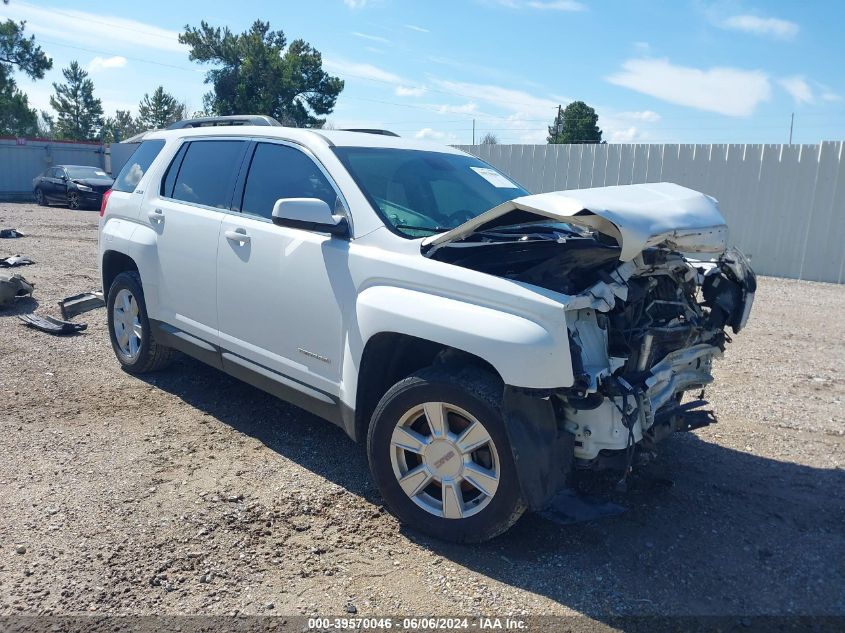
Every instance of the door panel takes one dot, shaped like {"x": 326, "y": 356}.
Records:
{"x": 278, "y": 304}
{"x": 186, "y": 239}
{"x": 186, "y": 216}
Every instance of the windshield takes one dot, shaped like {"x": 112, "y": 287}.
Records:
{"x": 418, "y": 193}
{"x": 85, "y": 172}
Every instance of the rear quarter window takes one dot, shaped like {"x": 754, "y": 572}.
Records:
{"x": 137, "y": 165}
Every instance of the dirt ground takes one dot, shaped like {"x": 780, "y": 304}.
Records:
{"x": 187, "y": 492}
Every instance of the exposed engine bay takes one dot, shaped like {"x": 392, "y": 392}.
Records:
{"x": 643, "y": 332}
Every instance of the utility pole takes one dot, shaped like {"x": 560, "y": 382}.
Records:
{"x": 473, "y": 131}
{"x": 791, "y": 122}
{"x": 559, "y": 122}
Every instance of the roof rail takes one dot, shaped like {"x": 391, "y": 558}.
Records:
{"x": 371, "y": 131}
{"x": 213, "y": 121}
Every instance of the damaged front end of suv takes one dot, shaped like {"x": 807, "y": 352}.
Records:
{"x": 649, "y": 290}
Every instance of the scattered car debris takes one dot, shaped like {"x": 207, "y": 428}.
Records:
{"x": 15, "y": 260}
{"x": 13, "y": 285}
{"x": 51, "y": 325}
{"x": 77, "y": 304}
{"x": 10, "y": 233}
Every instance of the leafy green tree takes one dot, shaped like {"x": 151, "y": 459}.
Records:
{"x": 159, "y": 110}
{"x": 258, "y": 73}
{"x": 577, "y": 123}
{"x": 79, "y": 113}
{"x": 18, "y": 52}
{"x": 121, "y": 127}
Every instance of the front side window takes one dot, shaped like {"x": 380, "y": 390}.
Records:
{"x": 418, "y": 193}
{"x": 281, "y": 171}
{"x": 207, "y": 173}
{"x": 137, "y": 166}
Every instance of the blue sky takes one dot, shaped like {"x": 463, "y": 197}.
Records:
{"x": 690, "y": 71}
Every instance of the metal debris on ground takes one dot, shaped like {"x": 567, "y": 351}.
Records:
{"x": 10, "y": 233}
{"x": 15, "y": 260}
{"x": 77, "y": 304}
{"x": 51, "y": 325}
{"x": 12, "y": 286}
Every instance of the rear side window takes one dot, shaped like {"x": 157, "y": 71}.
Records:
{"x": 207, "y": 173}
{"x": 280, "y": 171}
{"x": 137, "y": 166}
{"x": 169, "y": 180}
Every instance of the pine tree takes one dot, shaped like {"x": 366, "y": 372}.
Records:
{"x": 160, "y": 110}
{"x": 120, "y": 127}
{"x": 18, "y": 53}
{"x": 79, "y": 113}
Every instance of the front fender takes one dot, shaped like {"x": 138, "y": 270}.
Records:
{"x": 524, "y": 352}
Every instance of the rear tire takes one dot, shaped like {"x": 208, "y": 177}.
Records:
{"x": 440, "y": 455}
{"x": 131, "y": 337}
{"x": 40, "y": 199}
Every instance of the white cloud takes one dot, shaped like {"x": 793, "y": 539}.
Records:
{"x": 627, "y": 135}
{"x": 646, "y": 116}
{"x": 87, "y": 29}
{"x": 798, "y": 87}
{"x": 372, "y": 38}
{"x": 518, "y": 102}
{"x": 361, "y": 71}
{"x": 543, "y": 5}
{"x": 557, "y": 5}
{"x": 729, "y": 91}
{"x": 99, "y": 64}
{"x": 410, "y": 91}
{"x": 416, "y": 28}
{"x": 773, "y": 27}
{"x": 355, "y": 4}
{"x": 428, "y": 133}
{"x": 466, "y": 108}
{"x": 829, "y": 95}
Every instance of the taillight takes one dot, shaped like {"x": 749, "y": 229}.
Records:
{"x": 104, "y": 202}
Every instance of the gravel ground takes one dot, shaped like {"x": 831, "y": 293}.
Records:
{"x": 188, "y": 492}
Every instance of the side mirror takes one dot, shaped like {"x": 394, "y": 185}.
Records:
{"x": 310, "y": 214}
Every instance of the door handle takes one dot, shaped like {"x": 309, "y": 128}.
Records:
{"x": 156, "y": 216}
{"x": 238, "y": 235}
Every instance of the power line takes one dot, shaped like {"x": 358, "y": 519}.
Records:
{"x": 113, "y": 54}
{"x": 103, "y": 22}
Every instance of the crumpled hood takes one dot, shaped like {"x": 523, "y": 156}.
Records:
{"x": 636, "y": 216}
{"x": 94, "y": 182}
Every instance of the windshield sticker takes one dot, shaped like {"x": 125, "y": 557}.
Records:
{"x": 494, "y": 178}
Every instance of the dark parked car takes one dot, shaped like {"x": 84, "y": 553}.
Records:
{"x": 76, "y": 186}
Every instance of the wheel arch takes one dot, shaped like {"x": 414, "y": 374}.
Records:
{"x": 388, "y": 357}
{"x": 114, "y": 263}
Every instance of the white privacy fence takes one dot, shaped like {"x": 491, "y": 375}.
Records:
{"x": 784, "y": 204}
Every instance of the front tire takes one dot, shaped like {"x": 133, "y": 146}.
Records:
{"x": 129, "y": 328}
{"x": 439, "y": 453}
{"x": 74, "y": 202}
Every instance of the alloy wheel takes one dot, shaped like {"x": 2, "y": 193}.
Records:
{"x": 445, "y": 460}
{"x": 73, "y": 200}
{"x": 128, "y": 331}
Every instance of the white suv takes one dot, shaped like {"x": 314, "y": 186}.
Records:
{"x": 484, "y": 342}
